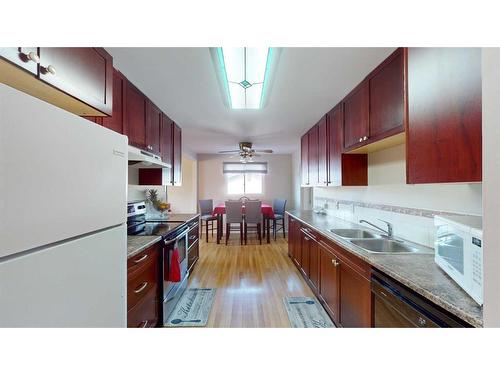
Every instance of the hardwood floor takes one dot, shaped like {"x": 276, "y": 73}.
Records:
{"x": 251, "y": 281}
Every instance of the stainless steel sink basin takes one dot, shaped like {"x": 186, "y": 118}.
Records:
{"x": 387, "y": 246}
{"x": 354, "y": 233}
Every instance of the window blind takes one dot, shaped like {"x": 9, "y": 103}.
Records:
{"x": 235, "y": 167}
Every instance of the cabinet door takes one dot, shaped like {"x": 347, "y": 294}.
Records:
{"x": 322, "y": 153}
{"x": 136, "y": 116}
{"x": 314, "y": 264}
{"x": 84, "y": 73}
{"x": 117, "y": 122}
{"x": 355, "y": 298}
{"x": 335, "y": 125}
{"x": 444, "y": 115}
{"x": 343, "y": 169}
{"x": 305, "y": 247}
{"x": 24, "y": 57}
{"x": 356, "y": 106}
{"x": 166, "y": 140}
{"x": 329, "y": 289}
{"x": 387, "y": 98}
{"x": 177, "y": 167}
{"x": 294, "y": 240}
{"x": 313, "y": 155}
{"x": 153, "y": 123}
{"x": 304, "y": 158}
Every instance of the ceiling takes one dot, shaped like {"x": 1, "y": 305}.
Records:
{"x": 308, "y": 83}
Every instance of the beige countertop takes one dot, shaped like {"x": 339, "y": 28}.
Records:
{"x": 418, "y": 272}
{"x": 135, "y": 244}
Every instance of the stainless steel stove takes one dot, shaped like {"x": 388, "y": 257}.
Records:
{"x": 174, "y": 236}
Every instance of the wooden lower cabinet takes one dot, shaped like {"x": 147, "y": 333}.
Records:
{"x": 356, "y": 299}
{"x": 143, "y": 289}
{"x": 340, "y": 280}
{"x": 329, "y": 292}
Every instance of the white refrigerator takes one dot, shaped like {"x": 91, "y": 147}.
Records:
{"x": 63, "y": 241}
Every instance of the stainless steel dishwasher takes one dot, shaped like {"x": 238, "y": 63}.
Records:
{"x": 396, "y": 306}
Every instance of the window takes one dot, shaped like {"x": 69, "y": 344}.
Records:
{"x": 244, "y": 178}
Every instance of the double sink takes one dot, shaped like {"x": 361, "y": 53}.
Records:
{"x": 378, "y": 243}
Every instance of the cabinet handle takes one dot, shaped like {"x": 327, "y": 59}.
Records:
{"x": 365, "y": 138}
{"x": 192, "y": 237}
{"x": 32, "y": 56}
{"x": 335, "y": 262}
{"x": 141, "y": 288}
{"x": 49, "y": 69}
{"x": 144, "y": 324}
{"x": 421, "y": 321}
{"x": 141, "y": 258}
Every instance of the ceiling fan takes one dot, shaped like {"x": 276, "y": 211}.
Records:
{"x": 246, "y": 152}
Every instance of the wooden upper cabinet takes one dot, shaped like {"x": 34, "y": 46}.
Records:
{"x": 136, "y": 116}
{"x": 84, "y": 73}
{"x": 118, "y": 121}
{"x": 322, "y": 152}
{"x": 387, "y": 97}
{"x": 166, "y": 140}
{"x": 24, "y": 57}
{"x": 177, "y": 155}
{"x": 329, "y": 284}
{"x": 444, "y": 115}
{"x": 356, "y": 116}
{"x": 153, "y": 124}
{"x": 343, "y": 169}
{"x": 313, "y": 157}
{"x": 304, "y": 159}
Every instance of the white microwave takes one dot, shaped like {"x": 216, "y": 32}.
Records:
{"x": 459, "y": 251}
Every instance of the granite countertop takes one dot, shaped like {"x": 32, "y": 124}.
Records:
{"x": 418, "y": 272}
{"x": 135, "y": 244}
{"x": 181, "y": 217}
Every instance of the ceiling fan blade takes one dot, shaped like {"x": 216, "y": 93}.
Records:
{"x": 229, "y": 152}
{"x": 265, "y": 151}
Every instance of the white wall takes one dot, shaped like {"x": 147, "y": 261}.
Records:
{"x": 491, "y": 184}
{"x": 387, "y": 186}
{"x": 277, "y": 183}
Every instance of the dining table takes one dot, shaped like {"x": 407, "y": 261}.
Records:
{"x": 267, "y": 216}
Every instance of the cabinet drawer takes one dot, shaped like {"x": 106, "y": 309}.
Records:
{"x": 194, "y": 254}
{"x": 145, "y": 313}
{"x": 193, "y": 235}
{"x": 143, "y": 281}
{"x": 142, "y": 260}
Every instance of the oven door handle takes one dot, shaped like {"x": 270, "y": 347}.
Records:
{"x": 177, "y": 238}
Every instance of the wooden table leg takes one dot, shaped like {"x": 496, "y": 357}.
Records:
{"x": 219, "y": 228}
{"x": 268, "y": 225}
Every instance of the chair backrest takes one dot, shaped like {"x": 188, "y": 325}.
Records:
{"x": 206, "y": 206}
{"x": 233, "y": 212}
{"x": 279, "y": 206}
{"x": 253, "y": 212}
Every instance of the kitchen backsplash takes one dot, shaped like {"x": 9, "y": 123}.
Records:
{"x": 413, "y": 224}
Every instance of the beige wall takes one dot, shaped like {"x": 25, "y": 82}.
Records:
{"x": 387, "y": 185}
{"x": 491, "y": 185}
{"x": 277, "y": 183}
{"x": 183, "y": 199}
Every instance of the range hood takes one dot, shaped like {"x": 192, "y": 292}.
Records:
{"x": 142, "y": 159}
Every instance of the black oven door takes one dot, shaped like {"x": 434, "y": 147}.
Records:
{"x": 180, "y": 243}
